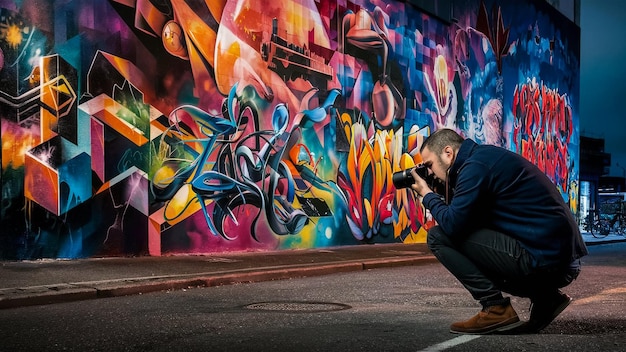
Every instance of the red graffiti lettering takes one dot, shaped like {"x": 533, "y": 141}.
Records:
{"x": 543, "y": 128}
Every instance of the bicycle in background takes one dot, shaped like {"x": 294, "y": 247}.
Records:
{"x": 599, "y": 224}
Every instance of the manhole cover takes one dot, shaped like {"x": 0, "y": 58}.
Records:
{"x": 221, "y": 260}
{"x": 298, "y": 307}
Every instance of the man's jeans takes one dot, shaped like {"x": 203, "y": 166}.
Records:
{"x": 488, "y": 262}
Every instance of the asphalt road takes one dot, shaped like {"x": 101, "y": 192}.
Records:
{"x": 395, "y": 309}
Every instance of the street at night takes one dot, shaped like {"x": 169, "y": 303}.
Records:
{"x": 406, "y": 308}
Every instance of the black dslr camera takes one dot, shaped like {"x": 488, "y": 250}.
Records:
{"x": 404, "y": 179}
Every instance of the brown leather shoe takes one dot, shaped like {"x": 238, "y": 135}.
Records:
{"x": 489, "y": 320}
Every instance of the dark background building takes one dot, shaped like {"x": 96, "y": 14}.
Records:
{"x": 595, "y": 181}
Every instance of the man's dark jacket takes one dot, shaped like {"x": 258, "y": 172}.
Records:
{"x": 500, "y": 190}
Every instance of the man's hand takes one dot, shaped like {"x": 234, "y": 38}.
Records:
{"x": 420, "y": 186}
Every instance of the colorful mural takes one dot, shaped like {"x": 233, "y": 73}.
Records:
{"x": 158, "y": 127}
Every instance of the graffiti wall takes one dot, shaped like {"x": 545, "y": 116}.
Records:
{"x": 145, "y": 127}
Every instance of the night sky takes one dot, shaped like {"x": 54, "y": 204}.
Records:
{"x": 603, "y": 77}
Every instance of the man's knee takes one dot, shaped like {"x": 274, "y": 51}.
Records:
{"x": 436, "y": 238}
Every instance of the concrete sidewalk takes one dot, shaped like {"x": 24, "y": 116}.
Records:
{"x": 36, "y": 282}
{"x": 590, "y": 240}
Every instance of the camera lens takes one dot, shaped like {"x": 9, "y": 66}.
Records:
{"x": 402, "y": 179}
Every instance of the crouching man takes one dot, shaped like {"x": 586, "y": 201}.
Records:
{"x": 505, "y": 228}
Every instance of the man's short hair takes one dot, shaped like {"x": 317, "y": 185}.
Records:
{"x": 442, "y": 138}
